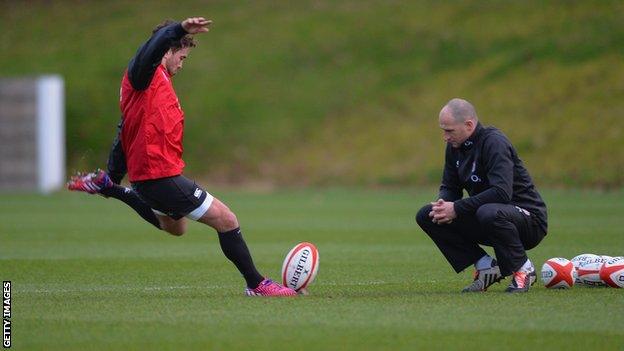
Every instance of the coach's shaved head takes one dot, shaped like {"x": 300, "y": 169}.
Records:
{"x": 460, "y": 109}
{"x": 458, "y": 120}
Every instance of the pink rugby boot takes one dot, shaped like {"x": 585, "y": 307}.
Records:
{"x": 90, "y": 183}
{"x": 270, "y": 288}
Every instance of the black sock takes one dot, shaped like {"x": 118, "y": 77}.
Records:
{"x": 236, "y": 250}
{"x": 132, "y": 199}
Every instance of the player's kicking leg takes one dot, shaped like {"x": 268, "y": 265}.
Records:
{"x": 223, "y": 220}
{"x": 174, "y": 198}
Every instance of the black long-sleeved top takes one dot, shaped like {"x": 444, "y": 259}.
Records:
{"x": 141, "y": 70}
{"x": 487, "y": 166}
{"x": 143, "y": 65}
{"x": 153, "y": 121}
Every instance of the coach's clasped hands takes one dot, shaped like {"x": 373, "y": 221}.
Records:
{"x": 196, "y": 25}
{"x": 442, "y": 212}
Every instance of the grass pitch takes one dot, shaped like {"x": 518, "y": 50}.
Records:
{"x": 89, "y": 274}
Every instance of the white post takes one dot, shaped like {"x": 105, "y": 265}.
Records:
{"x": 50, "y": 133}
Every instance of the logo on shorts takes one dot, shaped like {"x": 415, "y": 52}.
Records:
{"x": 197, "y": 193}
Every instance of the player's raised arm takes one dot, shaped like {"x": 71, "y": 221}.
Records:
{"x": 142, "y": 67}
{"x": 196, "y": 25}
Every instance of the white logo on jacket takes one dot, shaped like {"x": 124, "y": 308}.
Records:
{"x": 475, "y": 178}
{"x": 523, "y": 211}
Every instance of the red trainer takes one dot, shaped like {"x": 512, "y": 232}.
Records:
{"x": 270, "y": 288}
{"x": 522, "y": 280}
{"x": 90, "y": 183}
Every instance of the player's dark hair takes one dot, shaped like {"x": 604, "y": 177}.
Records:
{"x": 184, "y": 42}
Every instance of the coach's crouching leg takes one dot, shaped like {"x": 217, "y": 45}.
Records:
{"x": 458, "y": 249}
{"x": 497, "y": 220}
{"x": 423, "y": 219}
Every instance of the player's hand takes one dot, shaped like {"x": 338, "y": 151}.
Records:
{"x": 442, "y": 212}
{"x": 196, "y": 25}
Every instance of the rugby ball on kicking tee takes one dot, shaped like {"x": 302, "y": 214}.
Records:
{"x": 558, "y": 273}
{"x": 612, "y": 272}
{"x": 300, "y": 266}
{"x": 588, "y": 272}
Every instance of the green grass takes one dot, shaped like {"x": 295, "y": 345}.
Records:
{"x": 352, "y": 87}
{"x": 89, "y": 274}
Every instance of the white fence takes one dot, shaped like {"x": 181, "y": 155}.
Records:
{"x": 32, "y": 134}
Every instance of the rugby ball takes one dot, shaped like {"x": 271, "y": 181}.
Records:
{"x": 300, "y": 266}
{"x": 588, "y": 272}
{"x": 558, "y": 273}
{"x": 576, "y": 260}
{"x": 612, "y": 272}
{"x": 583, "y": 259}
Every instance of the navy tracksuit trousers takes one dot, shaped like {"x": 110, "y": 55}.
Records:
{"x": 509, "y": 229}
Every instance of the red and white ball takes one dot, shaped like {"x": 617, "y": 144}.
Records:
{"x": 558, "y": 273}
{"x": 612, "y": 272}
{"x": 300, "y": 266}
{"x": 583, "y": 259}
{"x": 588, "y": 271}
